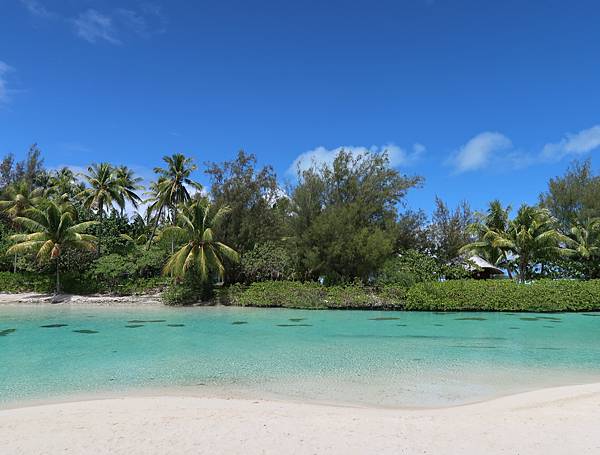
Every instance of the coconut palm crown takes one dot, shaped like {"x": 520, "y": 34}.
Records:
{"x": 50, "y": 231}
{"x": 200, "y": 252}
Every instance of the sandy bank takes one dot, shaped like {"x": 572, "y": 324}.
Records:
{"x": 551, "y": 421}
{"x": 66, "y": 299}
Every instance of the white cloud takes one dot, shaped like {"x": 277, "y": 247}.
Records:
{"x": 480, "y": 151}
{"x": 580, "y": 143}
{"x": 4, "y": 91}
{"x": 321, "y": 155}
{"x": 94, "y": 26}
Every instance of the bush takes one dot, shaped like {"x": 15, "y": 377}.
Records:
{"x": 267, "y": 261}
{"x": 25, "y": 282}
{"x": 504, "y": 295}
{"x": 309, "y": 295}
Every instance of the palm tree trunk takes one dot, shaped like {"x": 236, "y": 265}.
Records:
{"x": 155, "y": 226}
{"x": 101, "y": 212}
{"x": 57, "y": 291}
{"x": 15, "y": 264}
{"x": 522, "y": 269}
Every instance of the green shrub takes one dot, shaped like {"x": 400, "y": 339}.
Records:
{"x": 309, "y": 295}
{"x": 504, "y": 295}
{"x": 25, "y": 282}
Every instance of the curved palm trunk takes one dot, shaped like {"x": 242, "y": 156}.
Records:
{"x": 101, "y": 212}
{"x": 15, "y": 264}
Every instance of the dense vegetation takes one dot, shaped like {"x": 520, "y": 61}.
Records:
{"x": 340, "y": 237}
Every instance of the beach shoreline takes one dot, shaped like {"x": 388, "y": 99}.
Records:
{"x": 37, "y": 298}
{"x": 546, "y": 421}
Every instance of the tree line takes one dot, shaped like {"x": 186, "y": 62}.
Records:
{"x": 341, "y": 222}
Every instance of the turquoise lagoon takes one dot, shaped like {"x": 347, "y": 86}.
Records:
{"x": 387, "y": 359}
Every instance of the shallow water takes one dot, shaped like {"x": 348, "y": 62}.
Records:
{"x": 375, "y": 358}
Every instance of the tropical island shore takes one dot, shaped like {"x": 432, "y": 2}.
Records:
{"x": 548, "y": 421}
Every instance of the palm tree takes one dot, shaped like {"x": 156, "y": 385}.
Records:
{"x": 50, "y": 232}
{"x": 63, "y": 185}
{"x": 18, "y": 198}
{"x": 170, "y": 189}
{"x": 529, "y": 236}
{"x": 495, "y": 219}
{"x": 584, "y": 243}
{"x": 200, "y": 252}
{"x": 104, "y": 190}
{"x": 129, "y": 184}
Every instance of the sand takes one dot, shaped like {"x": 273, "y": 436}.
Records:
{"x": 72, "y": 299}
{"x": 550, "y": 421}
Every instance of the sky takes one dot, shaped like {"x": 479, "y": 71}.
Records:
{"x": 484, "y": 99}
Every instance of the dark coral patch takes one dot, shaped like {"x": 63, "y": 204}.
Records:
{"x": 296, "y": 319}
{"x": 139, "y": 321}
{"x": 85, "y": 331}
{"x": 5, "y": 332}
{"x": 175, "y": 325}
{"x": 439, "y": 325}
{"x": 515, "y": 328}
{"x": 294, "y": 325}
{"x": 134, "y": 326}
{"x": 401, "y": 325}
{"x": 239, "y": 322}
{"x": 590, "y": 314}
{"x": 53, "y": 326}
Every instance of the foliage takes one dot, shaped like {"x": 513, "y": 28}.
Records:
{"x": 504, "y": 295}
{"x": 309, "y": 295}
{"x": 344, "y": 214}
{"x": 252, "y": 196}
{"x": 25, "y": 282}
{"x": 201, "y": 253}
{"x": 449, "y": 230}
{"x": 408, "y": 268}
{"x": 267, "y": 261}
{"x": 573, "y": 198}
{"x": 51, "y": 231}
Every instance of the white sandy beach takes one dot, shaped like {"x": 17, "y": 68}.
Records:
{"x": 72, "y": 299}
{"x": 550, "y": 421}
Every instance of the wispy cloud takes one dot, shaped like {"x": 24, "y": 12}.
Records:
{"x": 4, "y": 91}
{"x": 113, "y": 26}
{"x": 37, "y": 9}
{"x": 576, "y": 144}
{"x": 479, "y": 151}
{"x": 321, "y": 155}
{"x": 94, "y": 26}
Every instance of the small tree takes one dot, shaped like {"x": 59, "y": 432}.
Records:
{"x": 50, "y": 232}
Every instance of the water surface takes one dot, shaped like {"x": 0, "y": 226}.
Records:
{"x": 375, "y": 358}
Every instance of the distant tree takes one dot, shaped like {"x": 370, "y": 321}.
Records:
{"x": 573, "y": 198}
{"x": 496, "y": 219}
{"x": 344, "y": 214}
{"x": 583, "y": 248}
{"x": 128, "y": 184}
{"x": 171, "y": 188}
{"x": 449, "y": 230}
{"x": 530, "y": 236}
{"x": 104, "y": 192}
{"x": 411, "y": 231}
{"x": 50, "y": 232}
{"x": 201, "y": 253}
{"x": 252, "y": 194}
{"x": 6, "y": 170}
{"x": 18, "y": 198}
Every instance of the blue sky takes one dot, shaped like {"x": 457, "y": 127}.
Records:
{"x": 485, "y": 99}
